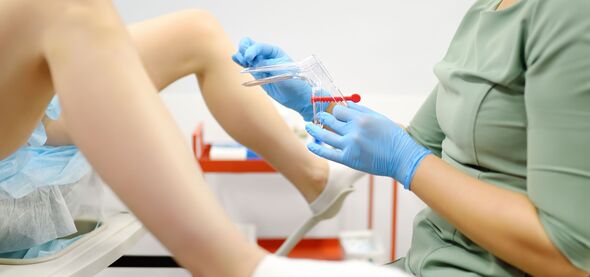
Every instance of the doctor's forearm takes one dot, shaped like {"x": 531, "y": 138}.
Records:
{"x": 503, "y": 222}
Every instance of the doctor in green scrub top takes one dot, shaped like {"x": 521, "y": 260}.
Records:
{"x": 500, "y": 150}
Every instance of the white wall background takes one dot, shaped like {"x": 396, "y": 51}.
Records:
{"x": 384, "y": 50}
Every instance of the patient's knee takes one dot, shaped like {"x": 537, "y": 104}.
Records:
{"x": 200, "y": 23}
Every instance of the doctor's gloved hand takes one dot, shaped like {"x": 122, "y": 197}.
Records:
{"x": 367, "y": 141}
{"x": 293, "y": 94}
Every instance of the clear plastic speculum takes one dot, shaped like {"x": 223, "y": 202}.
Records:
{"x": 312, "y": 71}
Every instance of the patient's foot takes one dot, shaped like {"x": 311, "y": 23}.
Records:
{"x": 317, "y": 178}
{"x": 336, "y": 178}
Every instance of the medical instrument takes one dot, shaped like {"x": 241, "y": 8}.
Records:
{"x": 367, "y": 141}
{"x": 311, "y": 71}
{"x": 354, "y": 98}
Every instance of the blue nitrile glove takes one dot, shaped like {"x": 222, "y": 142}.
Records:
{"x": 293, "y": 94}
{"x": 367, "y": 141}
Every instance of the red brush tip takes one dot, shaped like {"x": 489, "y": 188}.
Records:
{"x": 354, "y": 98}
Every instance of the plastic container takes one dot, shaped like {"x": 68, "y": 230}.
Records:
{"x": 231, "y": 152}
{"x": 361, "y": 245}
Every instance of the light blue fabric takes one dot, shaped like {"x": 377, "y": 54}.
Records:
{"x": 32, "y": 167}
{"x": 46, "y": 249}
{"x": 367, "y": 141}
{"x": 36, "y": 165}
{"x": 39, "y": 137}
{"x": 49, "y": 248}
{"x": 37, "y": 210}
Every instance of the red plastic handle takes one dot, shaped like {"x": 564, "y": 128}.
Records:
{"x": 354, "y": 98}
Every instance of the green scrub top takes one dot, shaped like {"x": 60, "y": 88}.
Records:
{"x": 512, "y": 108}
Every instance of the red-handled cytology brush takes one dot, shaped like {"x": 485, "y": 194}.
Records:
{"x": 354, "y": 98}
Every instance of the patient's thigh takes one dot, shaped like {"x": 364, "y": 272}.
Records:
{"x": 25, "y": 82}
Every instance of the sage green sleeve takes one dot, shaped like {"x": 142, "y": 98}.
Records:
{"x": 424, "y": 126}
{"x": 557, "y": 99}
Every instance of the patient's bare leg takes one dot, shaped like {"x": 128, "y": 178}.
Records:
{"x": 113, "y": 113}
{"x": 193, "y": 42}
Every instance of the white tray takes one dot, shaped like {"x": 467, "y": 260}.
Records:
{"x": 87, "y": 256}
